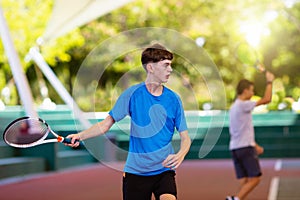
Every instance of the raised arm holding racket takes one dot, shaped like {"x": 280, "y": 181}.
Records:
{"x": 243, "y": 147}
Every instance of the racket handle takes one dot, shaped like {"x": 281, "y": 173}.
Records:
{"x": 69, "y": 141}
{"x": 260, "y": 67}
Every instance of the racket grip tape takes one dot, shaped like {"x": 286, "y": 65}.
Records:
{"x": 68, "y": 140}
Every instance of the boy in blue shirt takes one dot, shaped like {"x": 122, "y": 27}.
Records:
{"x": 155, "y": 113}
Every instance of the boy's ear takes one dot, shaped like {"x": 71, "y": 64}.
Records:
{"x": 149, "y": 67}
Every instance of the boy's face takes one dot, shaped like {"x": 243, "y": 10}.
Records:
{"x": 249, "y": 92}
{"x": 161, "y": 70}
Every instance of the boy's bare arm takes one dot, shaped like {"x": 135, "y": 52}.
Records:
{"x": 267, "y": 98}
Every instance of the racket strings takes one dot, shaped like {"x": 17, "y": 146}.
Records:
{"x": 26, "y": 131}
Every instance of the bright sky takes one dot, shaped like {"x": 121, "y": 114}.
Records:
{"x": 253, "y": 30}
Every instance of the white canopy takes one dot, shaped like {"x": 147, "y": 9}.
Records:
{"x": 66, "y": 16}
{"x": 69, "y": 14}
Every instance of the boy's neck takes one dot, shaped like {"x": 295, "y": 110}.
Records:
{"x": 154, "y": 88}
{"x": 242, "y": 98}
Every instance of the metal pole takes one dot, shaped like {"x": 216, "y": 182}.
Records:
{"x": 17, "y": 70}
{"x": 35, "y": 55}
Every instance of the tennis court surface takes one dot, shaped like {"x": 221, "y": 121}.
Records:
{"x": 196, "y": 180}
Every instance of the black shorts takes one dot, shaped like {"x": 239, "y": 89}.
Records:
{"x": 246, "y": 162}
{"x": 137, "y": 187}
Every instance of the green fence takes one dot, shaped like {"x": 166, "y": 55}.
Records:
{"x": 277, "y": 132}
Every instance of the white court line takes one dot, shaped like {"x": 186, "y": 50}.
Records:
{"x": 278, "y": 165}
{"x": 273, "y": 191}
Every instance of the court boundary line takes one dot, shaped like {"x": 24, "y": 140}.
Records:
{"x": 273, "y": 191}
{"x": 274, "y": 185}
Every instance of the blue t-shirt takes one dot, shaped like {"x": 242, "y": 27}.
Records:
{"x": 153, "y": 122}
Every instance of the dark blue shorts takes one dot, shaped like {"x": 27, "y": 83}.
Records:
{"x": 246, "y": 162}
{"x": 137, "y": 187}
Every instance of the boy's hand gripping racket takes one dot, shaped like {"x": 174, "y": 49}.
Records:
{"x": 28, "y": 132}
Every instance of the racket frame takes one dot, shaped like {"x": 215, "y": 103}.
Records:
{"x": 42, "y": 140}
{"x": 257, "y": 64}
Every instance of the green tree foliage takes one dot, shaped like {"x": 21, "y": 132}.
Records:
{"x": 220, "y": 23}
{"x": 224, "y": 25}
{"x": 27, "y": 21}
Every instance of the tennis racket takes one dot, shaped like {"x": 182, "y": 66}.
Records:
{"x": 27, "y": 132}
{"x": 249, "y": 57}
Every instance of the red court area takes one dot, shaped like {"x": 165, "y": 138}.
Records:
{"x": 196, "y": 180}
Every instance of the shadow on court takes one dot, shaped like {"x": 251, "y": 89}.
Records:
{"x": 196, "y": 180}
